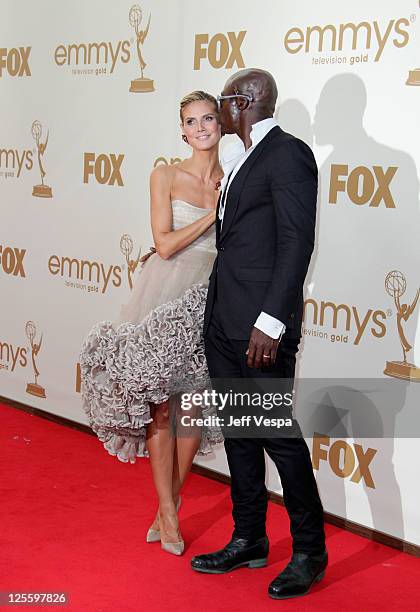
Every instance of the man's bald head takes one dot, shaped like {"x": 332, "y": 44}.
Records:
{"x": 260, "y": 84}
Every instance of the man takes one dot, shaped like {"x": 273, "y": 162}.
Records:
{"x": 252, "y": 323}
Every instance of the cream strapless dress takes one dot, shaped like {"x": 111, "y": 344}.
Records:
{"x": 154, "y": 350}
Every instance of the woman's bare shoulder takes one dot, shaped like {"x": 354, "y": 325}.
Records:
{"x": 162, "y": 174}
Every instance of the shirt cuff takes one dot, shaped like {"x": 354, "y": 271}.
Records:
{"x": 270, "y": 326}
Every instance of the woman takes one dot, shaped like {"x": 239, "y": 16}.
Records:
{"x": 134, "y": 369}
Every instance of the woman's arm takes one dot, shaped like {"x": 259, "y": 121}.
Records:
{"x": 167, "y": 240}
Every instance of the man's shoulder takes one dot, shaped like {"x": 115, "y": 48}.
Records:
{"x": 289, "y": 148}
{"x": 289, "y": 157}
{"x": 285, "y": 139}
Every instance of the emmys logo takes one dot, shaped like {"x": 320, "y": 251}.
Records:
{"x": 346, "y": 460}
{"x": 102, "y": 58}
{"x": 94, "y": 276}
{"x": 395, "y": 286}
{"x": 15, "y": 62}
{"x": 10, "y": 354}
{"x": 105, "y": 168}
{"x": 12, "y": 159}
{"x": 104, "y": 53}
{"x": 362, "y": 185}
{"x": 361, "y": 36}
{"x": 142, "y": 84}
{"x": 84, "y": 271}
{"x": 339, "y": 316}
{"x": 42, "y": 190}
{"x": 221, "y": 51}
{"x": 166, "y": 161}
{"x": 11, "y": 261}
{"x": 413, "y": 77}
{"x": 126, "y": 247}
{"x": 34, "y": 388}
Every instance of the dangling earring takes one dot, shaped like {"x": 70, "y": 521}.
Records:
{"x": 184, "y": 138}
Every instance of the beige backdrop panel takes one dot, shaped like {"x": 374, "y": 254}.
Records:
{"x": 342, "y": 89}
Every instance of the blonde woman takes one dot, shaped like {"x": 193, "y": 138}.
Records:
{"x": 134, "y": 368}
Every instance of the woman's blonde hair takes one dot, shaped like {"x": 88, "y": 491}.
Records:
{"x": 196, "y": 96}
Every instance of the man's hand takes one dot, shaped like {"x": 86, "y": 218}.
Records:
{"x": 262, "y": 349}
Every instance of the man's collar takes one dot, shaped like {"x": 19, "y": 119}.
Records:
{"x": 258, "y": 131}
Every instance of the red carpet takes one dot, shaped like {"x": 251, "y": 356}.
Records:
{"x": 74, "y": 519}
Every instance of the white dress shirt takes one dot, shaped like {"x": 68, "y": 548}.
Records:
{"x": 232, "y": 160}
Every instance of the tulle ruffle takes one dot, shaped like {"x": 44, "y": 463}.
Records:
{"x": 124, "y": 369}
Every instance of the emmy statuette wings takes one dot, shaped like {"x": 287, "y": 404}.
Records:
{"x": 395, "y": 286}
{"x": 142, "y": 84}
{"x": 34, "y": 388}
{"x": 42, "y": 190}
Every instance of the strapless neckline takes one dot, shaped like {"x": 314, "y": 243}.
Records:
{"x": 189, "y": 204}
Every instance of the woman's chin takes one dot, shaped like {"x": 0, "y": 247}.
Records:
{"x": 207, "y": 145}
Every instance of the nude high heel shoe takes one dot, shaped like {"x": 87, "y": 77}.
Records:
{"x": 175, "y": 548}
{"x": 153, "y": 535}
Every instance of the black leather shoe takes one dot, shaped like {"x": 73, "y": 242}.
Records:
{"x": 298, "y": 576}
{"x": 238, "y": 553}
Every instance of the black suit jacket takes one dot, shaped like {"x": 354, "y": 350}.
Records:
{"x": 267, "y": 237}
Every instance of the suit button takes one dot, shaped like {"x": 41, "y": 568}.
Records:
{"x": 221, "y": 248}
{"x": 292, "y": 316}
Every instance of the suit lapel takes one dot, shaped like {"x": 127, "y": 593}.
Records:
{"x": 217, "y": 219}
{"x": 238, "y": 183}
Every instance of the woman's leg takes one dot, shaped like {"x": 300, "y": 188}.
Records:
{"x": 185, "y": 451}
{"x": 160, "y": 444}
{"x": 186, "y": 446}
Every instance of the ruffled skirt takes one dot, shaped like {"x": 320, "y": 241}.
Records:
{"x": 155, "y": 360}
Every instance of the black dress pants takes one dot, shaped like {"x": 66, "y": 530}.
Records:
{"x": 227, "y": 359}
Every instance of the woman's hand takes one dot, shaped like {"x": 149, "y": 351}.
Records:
{"x": 146, "y": 256}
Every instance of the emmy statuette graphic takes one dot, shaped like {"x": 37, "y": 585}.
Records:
{"x": 135, "y": 17}
{"x": 413, "y": 77}
{"x": 395, "y": 285}
{"x": 126, "y": 246}
{"x": 40, "y": 191}
{"x": 34, "y": 388}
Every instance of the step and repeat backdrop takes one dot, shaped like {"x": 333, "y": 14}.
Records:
{"x": 89, "y": 106}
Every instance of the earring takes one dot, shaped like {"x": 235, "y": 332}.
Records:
{"x": 184, "y": 138}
